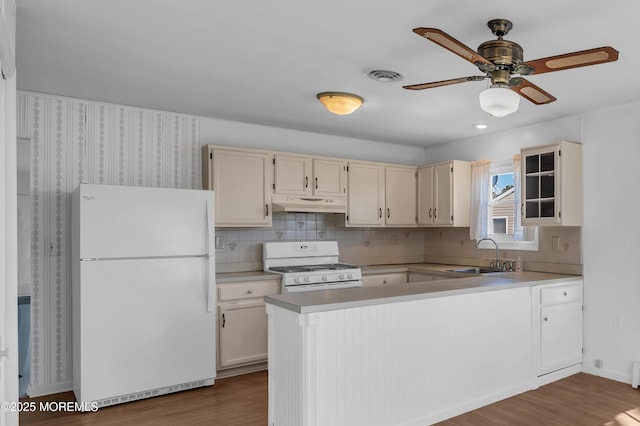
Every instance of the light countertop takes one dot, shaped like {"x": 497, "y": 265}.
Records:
{"x": 329, "y": 300}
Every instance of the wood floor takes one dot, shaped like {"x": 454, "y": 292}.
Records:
{"x": 580, "y": 400}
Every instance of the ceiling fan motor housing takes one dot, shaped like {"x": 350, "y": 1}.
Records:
{"x": 501, "y": 52}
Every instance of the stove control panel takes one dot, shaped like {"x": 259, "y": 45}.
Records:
{"x": 302, "y": 278}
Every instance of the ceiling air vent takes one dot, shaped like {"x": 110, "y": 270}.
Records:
{"x": 384, "y": 76}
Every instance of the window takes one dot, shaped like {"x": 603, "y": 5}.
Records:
{"x": 502, "y": 212}
{"x": 502, "y": 204}
{"x": 500, "y": 225}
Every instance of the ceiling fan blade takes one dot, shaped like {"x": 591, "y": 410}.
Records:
{"x": 444, "y": 82}
{"x": 582, "y": 58}
{"x": 530, "y": 91}
{"x": 445, "y": 40}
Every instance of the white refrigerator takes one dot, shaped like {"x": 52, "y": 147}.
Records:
{"x": 143, "y": 289}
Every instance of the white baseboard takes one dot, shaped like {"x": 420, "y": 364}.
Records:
{"x": 608, "y": 374}
{"x": 241, "y": 370}
{"x": 471, "y": 405}
{"x": 35, "y": 391}
{"x": 557, "y": 375}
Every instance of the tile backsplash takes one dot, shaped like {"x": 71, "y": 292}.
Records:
{"x": 242, "y": 247}
{"x": 364, "y": 246}
{"x": 453, "y": 245}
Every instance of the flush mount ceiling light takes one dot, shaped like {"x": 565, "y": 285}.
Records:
{"x": 339, "y": 102}
{"x": 499, "y": 101}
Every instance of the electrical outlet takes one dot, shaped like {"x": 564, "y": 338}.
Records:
{"x": 598, "y": 363}
{"x": 219, "y": 242}
{"x": 618, "y": 322}
{"x": 555, "y": 243}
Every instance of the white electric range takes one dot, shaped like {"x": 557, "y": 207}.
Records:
{"x": 309, "y": 266}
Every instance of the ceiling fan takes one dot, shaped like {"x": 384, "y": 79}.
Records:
{"x": 502, "y": 61}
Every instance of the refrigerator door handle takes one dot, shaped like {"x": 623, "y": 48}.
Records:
{"x": 211, "y": 295}
{"x": 211, "y": 278}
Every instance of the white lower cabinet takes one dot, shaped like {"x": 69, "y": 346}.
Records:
{"x": 559, "y": 322}
{"x": 242, "y": 322}
{"x": 374, "y": 280}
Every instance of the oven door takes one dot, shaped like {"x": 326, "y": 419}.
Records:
{"x": 321, "y": 286}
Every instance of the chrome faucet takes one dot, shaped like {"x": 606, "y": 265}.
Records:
{"x": 497, "y": 265}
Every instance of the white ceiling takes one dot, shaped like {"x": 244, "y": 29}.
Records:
{"x": 264, "y": 61}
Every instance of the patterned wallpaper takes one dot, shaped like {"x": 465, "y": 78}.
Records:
{"x": 75, "y": 141}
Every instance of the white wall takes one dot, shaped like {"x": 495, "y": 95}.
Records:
{"x": 247, "y": 135}
{"x": 611, "y": 238}
{"x": 502, "y": 146}
{"x": 611, "y": 231}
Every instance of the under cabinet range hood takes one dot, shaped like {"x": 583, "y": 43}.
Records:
{"x": 287, "y": 203}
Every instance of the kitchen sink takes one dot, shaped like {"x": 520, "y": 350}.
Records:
{"x": 475, "y": 270}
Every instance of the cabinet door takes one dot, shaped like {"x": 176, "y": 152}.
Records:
{"x": 365, "y": 198}
{"x": 292, "y": 175}
{"x": 242, "y": 334}
{"x": 400, "y": 195}
{"x": 552, "y": 184}
{"x": 242, "y": 180}
{"x": 329, "y": 178}
{"x": 442, "y": 211}
{"x": 425, "y": 195}
{"x": 540, "y": 185}
{"x": 560, "y": 336}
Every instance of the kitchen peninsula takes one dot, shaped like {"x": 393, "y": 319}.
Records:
{"x": 420, "y": 352}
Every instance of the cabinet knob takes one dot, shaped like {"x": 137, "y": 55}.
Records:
{"x": 385, "y": 282}
{"x": 250, "y": 291}
{"x": 564, "y": 293}
{"x": 546, "y": 318}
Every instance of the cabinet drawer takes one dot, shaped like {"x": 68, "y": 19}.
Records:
{"x": 549, "y": 296}
{"x": 415, "y": 277}
{"x": 383, "y": 279}
{"x": 247, "y": 290}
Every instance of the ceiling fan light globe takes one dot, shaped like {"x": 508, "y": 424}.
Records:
{"x": 499, "y": 101}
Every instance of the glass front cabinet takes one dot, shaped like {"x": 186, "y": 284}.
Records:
{"x": 552, "y": 184}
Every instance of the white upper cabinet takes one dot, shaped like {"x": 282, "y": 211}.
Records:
{"x": 365, "y": 195}
{"x": 309, "y": 176}
{"x": 242, "y": 181}
{"x": 381, "y": 194}
{"x": 444, "y": 194}
{"x": 329, "y": 177}
{"x": 292, "y": 174}
{"x": 552, "y": 184}
{"x": 400, "y": 195}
